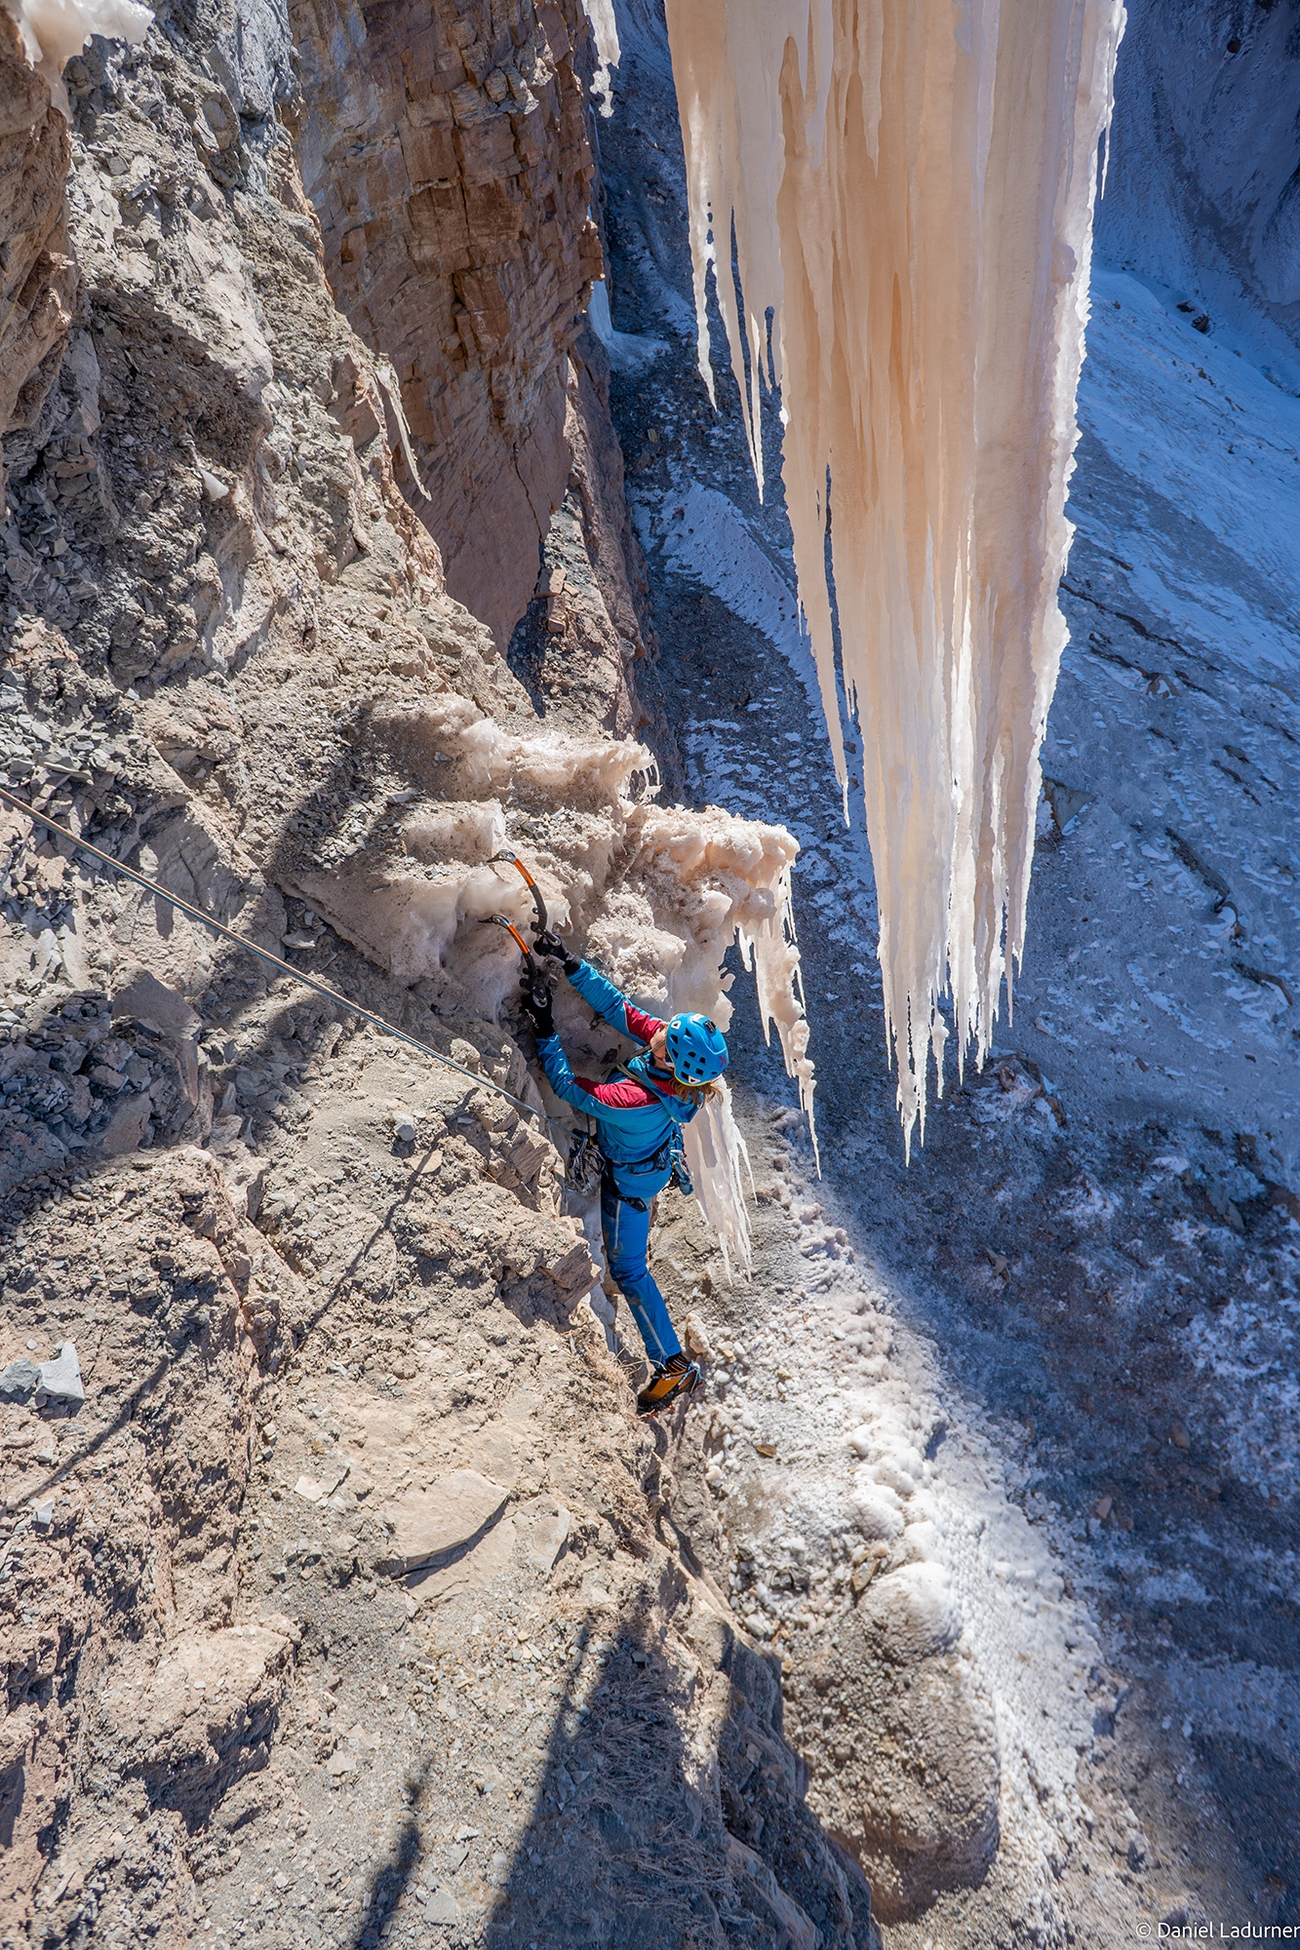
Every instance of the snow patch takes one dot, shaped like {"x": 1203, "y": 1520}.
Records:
{"x": 54, "y": 30}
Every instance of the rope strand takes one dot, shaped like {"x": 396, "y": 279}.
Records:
{"x": 274, "y": 961}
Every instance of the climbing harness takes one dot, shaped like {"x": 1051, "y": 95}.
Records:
{"x": 657, "y": 1161}
{"x": 283, "y": 967}
{"x": 610, "y": 1187}
{"x": 671, "y": 1155}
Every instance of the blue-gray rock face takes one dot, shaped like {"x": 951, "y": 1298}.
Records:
{"x": 18, "y": 1382}
{"x": 1203, "y": 188}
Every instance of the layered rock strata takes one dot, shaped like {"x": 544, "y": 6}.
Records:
{"x": 37, "y": 276}
{"x": 256, "y": 1664}
{"x": 446, "y": 154}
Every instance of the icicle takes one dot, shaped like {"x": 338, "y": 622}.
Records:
{"x": 910, "y": 186}
{"x": 714, "y": 880}
{"x": 772, "y": 951}
{"x": 715, "y": 1153}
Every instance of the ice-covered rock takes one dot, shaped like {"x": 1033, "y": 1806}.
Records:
{"x": 877, "y": 1512}
{"x": 54, "y": 30}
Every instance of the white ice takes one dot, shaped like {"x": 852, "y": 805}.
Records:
{"x": 927, "y": 278}
{"x": 54, "y": 30}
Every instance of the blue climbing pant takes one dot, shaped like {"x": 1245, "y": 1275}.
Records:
{"x": 627, "y": 1237}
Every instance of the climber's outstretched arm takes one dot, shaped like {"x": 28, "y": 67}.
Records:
{"x": 600, "y": 994}
{"x": 618, "y": 1094}
{"x": 550, "y": 1052}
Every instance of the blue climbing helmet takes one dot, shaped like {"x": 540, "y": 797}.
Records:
{"x": 697, "y": 1048}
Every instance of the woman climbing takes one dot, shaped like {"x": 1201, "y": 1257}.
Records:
{"x": 639, "y": 1116}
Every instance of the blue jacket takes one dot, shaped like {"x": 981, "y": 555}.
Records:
{"x": 638, "y": 1117}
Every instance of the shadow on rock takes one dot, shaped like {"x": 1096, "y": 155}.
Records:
{"x": 640, "y": 1839}
{"x": 393, "y": 1874}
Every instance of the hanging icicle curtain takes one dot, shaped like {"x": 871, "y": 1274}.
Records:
{"x": 909, "y": 189}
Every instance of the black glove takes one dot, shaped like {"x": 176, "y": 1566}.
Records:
{"x": 537, "y": 1005}
{"x": 553, "y": 948}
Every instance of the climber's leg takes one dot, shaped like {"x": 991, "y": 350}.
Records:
{"x": 627, "y": 1237}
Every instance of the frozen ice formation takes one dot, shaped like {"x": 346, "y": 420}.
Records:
{"x": 605, "y": 33}
{"x": 656, "y": 895}
{"x": 54, "y": 30}
{"x": 911, "y": 187}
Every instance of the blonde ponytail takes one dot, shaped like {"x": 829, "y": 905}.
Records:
{"x": 695, "y": 1093}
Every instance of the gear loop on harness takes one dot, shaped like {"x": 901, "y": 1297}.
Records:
{"x": 585, "y": 1165}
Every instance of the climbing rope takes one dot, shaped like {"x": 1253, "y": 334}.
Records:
{"x": 274, "y": 961}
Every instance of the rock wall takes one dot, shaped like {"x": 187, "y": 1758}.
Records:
{"x": 1202, "y": 186}
{"x": 341, "y": 1583}
{"x": 37, "y": 277}
{"x": 445, "y": 150}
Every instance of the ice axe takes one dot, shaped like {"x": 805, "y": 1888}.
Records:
{"x": 532, "y": 981}
{"x": 541, "y": 925}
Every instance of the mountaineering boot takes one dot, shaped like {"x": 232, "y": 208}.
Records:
{"x": 676, "y": 1379}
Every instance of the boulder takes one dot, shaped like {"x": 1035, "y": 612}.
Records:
{"x": 145, "y": 999}
{"x": 444, "y": 1516}
{"x": 18, "y": 1382}
{"x": 60, "y": 1379}
{"x": 901, "y": 1737}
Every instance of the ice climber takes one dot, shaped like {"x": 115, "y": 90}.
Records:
{"x": 639, "y": 1116}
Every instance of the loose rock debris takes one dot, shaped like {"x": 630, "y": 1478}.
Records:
{"x": 343, "y": 1603}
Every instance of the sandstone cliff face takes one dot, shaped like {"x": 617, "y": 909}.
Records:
{"x": 37, "y": 277}
{"x": 445, "y": 150}
{"x": 249, "y": 1671}
{"x": 577, "y": 644}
